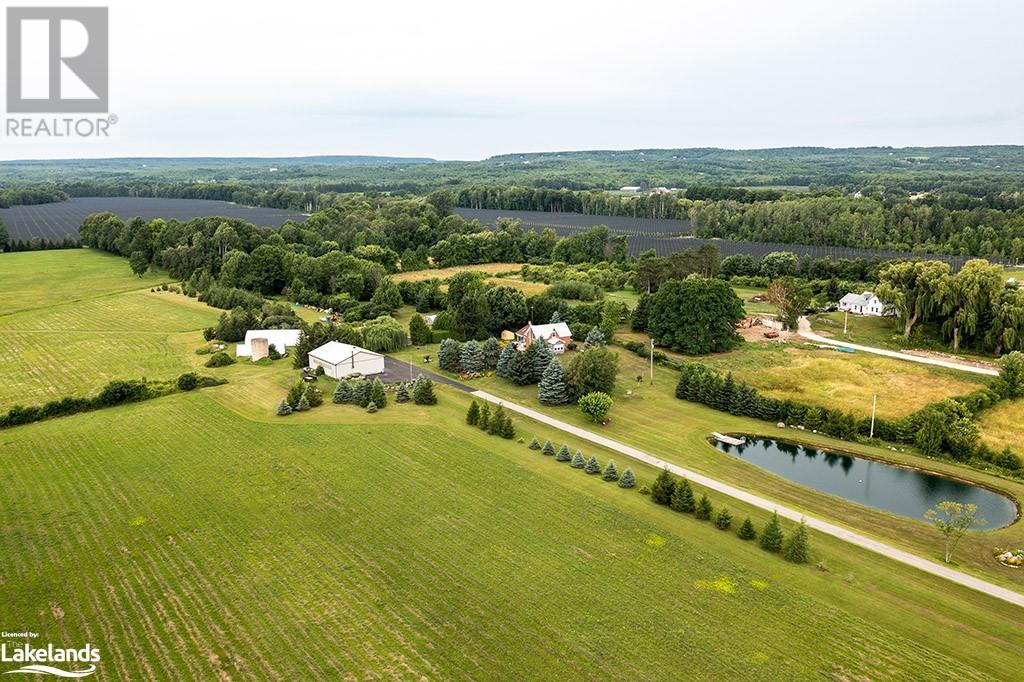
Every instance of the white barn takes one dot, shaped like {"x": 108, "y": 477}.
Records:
{"x": 281, "y": 339}
{"x": 340, "y": 360}
{"x": 864, "y": 304}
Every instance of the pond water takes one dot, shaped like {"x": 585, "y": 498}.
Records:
{"x": 907, "y": 492}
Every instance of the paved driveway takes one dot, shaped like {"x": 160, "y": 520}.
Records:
{"x": 397, "y": 370}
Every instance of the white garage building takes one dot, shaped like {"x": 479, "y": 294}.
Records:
{"x": 340, "y": 360}
{"x": 281, "y": 339}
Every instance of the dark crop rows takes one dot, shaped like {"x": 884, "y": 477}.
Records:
{"x": 60, "y": 220}
{"x": 578, "y": 221}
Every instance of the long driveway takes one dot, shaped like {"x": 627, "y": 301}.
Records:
{"x": 804, "y": 330}
{"x": 850, "y": 536}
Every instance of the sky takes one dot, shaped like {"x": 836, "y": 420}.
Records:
{"x": 466, "y": 80}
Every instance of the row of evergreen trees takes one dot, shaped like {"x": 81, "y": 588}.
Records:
{"x": 365, "y": 393}
{"x": 677, "y": 494}
{"x": 471, "y": 357}
{"x": 701, "y": 384}
{"x": 301, "y": 397}
{"x": 590, "y": 465}
{"x": 497, "y": 423}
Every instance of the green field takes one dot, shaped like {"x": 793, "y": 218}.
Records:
{"x": 199, "y": 536}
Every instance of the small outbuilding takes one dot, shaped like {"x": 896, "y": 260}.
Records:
{"x": 341, "y": 360}
{"x": 280, "y": 339}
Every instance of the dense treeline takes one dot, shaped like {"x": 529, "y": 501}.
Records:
{"x": 517, "y": 198}
{"x": 28, "y": 195}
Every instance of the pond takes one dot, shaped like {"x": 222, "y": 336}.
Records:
{"x": 899, "y": 490}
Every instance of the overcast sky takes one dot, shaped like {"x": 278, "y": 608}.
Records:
{"x": 465, "y": 80}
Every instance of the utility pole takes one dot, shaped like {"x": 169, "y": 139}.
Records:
{"x": 652, "y": 362}
{"x": 874, "y": 404}
{"x": 846, "y": 318}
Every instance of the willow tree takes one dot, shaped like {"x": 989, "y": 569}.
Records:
{"x": 913, "y": 289}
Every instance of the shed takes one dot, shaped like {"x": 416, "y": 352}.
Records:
{"x": 340, "y": 360}
{"x": 280, "y": 339}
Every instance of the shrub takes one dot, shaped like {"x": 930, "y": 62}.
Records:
{"x": 610, "y": 472}
{"x": 284, "y": 409}
{"x": 535, "y": 444}
{"x": 644, "y": 489}
{"x": 402, "y": 394}
{"x": 188, "y": 381}
{"x": 220, "y": 359}
{"x": 704, "y": 508}
{"x": 548, "y": 449}
{"x": 663, "y": 488}
{"x": 119, "y": 392}
{"x": 682, "y": 497}
{"x": 593, "y": 466}
{"x": 746, "y": 531}
{"x": 596, "y": 405}
{"x": 372, "y": 407}
{"x": 771, "y": 536}
{"x": 796, "y": 548}
{"x": 423, "y": 391}
{"x": 723, "y": 519}
{"x": 563, "y": 454}
{"x": 628, "y": 479}
{"x": 577, "y": 461}
{"x": 303, "y": 404}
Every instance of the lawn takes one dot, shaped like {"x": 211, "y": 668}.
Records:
{"x": 406, "y": 544}
{"x": 1001, "y": 426}
{"x": 641, "y": 416}
{"x": 444, "y": 273}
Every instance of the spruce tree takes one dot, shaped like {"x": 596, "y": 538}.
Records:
{"x": 497, "y": 422}
{"x": 473, "y": 413}
{"x": 663, "y": 487}
{"x": 361, "y": 393}
{"x": 423, "y": 391}
{"x": 577, "y": 461}
{"x": 593, "y": 466}
{"x": 610, "y": 471}
{"x": 723, "y": 401}
{"x": 520, "y": 368}
{"x": 563, "y": 453}
{"x": 471, "y": 357}
{"x": 548, "y": 449}
{"x": 594, "y": 338}
{"x": 313, "y": 395}
{"x": 484, "y": 420}
{"x": 492, "y": 351}
{"x": 535, "y": 444}
{"x": 555, "y": 318}
{"x": 295, "y": 393}
{"x": 723, "y": 519}
{"x": 628, "y": 479}
{"x": 303, "y": 404}
{"x": 342, "y": 394}
{"x": 448, "y": 355}
{"x": 542, "y": 357}
{"x": 402, "y": 394}
{"x": 508, "y": 355}
{"x": 746, "y": 531}
{"x": 704, "y": 508}
{"x": 508, "y": 430}
{"x": 377, "y": 395}
{"x": 284, "y": 409}
{"x": 771, "y": 536}
{"x": 552, "y": 389}
{"x": 372, "y": 407}
{"x": 797, "y": 546}
{"x": 682, "y": 497}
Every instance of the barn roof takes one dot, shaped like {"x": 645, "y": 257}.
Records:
{"x": 335, "y": 352}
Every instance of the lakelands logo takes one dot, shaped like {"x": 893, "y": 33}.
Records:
{"x": 58, "y": 63}
{"x": 38, "y": 660}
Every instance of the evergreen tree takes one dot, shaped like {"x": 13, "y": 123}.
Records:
{"x": 448, "y": 355}
{"x": 628, "y": 479}
{"x": 577, "y": 461}
{"x": 497, "y": 423}
{"x": 343, "y": 393}
{"x": 377, "y": 395}
{"x": 520, "y": 368}
{"x": 797, "y": 547}
{"x": 594, "y": 338}
{"x": 563, "y": 453}
{"x": 746, "y": 531}
{"x": 535, "y": 444}
{"x": 492, "y": 352}
{"x": 723, "y": 519}
{"x": 484, "y": 420}
{"x": 542, "y": 357}
{"x": 552, "y": 389}
{"x": 663, "y": 488}
{"x": 419, "y": 331}
{"x": 593, "y": 466}
{"x": 284, "y": 409}
{"x": 295, "y": 393}
{"x": 549, "y": 448}
{"x": 508, "y": 431}
{"x": 505, "y": 360}
{"x": 723, "y": 401}
{"x": 423, "y": 391}
{"x": 361, "y": 393}
{"x": 372, "y": 407}
{"x": 473, "y": 413}
{"x": 313, "y": 396}
{"x": 771, "y": 536}
{"x": 610, "y": 472}
{"x": 555, "y": 318}
{"x": 682, "y": 497}
{"x": 402, "y": 394}
{"x": 303, "y": 404}
{"x": 704, "y": 508}
{"x": 471, "y": 357}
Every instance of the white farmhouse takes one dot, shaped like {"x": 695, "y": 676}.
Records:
{"x": 557, "y": 336}
{"x": 340, "y": 360}
{"x": 280, "y": 339}
{"x": 864, "y": 304}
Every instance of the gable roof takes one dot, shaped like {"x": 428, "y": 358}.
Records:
{"x": 544, "y": 331}
{"x": 863, "y": 299}
{"x": 335, "y": 352}
{"x": 276, "y": 337}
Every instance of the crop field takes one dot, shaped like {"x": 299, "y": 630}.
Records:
{"x": 1001, "y": 426}
{"x": 445, "y": 273}
{"x": 578, "y": 222}
{"x": 59, "y": 220}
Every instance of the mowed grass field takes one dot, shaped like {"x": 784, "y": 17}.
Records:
{"x": 839, "y": 380}
{"x": 406, "y": 544}
{"x": 74, "y": 346}
{"x": 1003, "y": 426}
